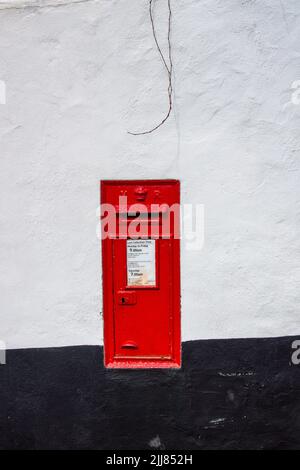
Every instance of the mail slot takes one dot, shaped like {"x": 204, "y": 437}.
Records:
{"x": 141, "y": 273}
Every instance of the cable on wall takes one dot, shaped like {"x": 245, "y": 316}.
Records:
{"x": 168, "y": 66}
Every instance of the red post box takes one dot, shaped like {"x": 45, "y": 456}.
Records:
{"x": 141, "y": 273}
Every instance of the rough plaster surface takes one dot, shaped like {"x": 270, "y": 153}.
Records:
{"x": 78, "y": 76}
{"x": 229, "y": 394}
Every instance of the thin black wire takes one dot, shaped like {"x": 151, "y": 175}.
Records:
{"x": 169, "y": 68}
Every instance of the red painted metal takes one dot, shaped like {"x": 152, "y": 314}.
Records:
{"x": 141, "y": 323}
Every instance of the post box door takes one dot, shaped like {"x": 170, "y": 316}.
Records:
{"x": 143, "y": 315}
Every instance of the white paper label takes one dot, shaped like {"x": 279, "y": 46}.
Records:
{"x": 141, "y": 263}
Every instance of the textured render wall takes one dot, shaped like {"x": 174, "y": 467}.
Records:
{"x": 77, "y": 78}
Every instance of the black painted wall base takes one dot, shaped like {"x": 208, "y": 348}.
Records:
{"x": 229, "y": 394}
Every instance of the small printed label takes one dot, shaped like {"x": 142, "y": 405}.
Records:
{"x": 141, "y": 263}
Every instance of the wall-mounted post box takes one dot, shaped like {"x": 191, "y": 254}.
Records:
{"x": 141, "y": 274}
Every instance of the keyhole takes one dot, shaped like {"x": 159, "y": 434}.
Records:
{"x": 123, "y": 300}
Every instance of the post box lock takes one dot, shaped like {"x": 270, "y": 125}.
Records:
{"x": 126, "y": 298}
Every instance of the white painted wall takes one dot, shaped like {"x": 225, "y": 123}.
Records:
{"x": 77, "y": 78}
